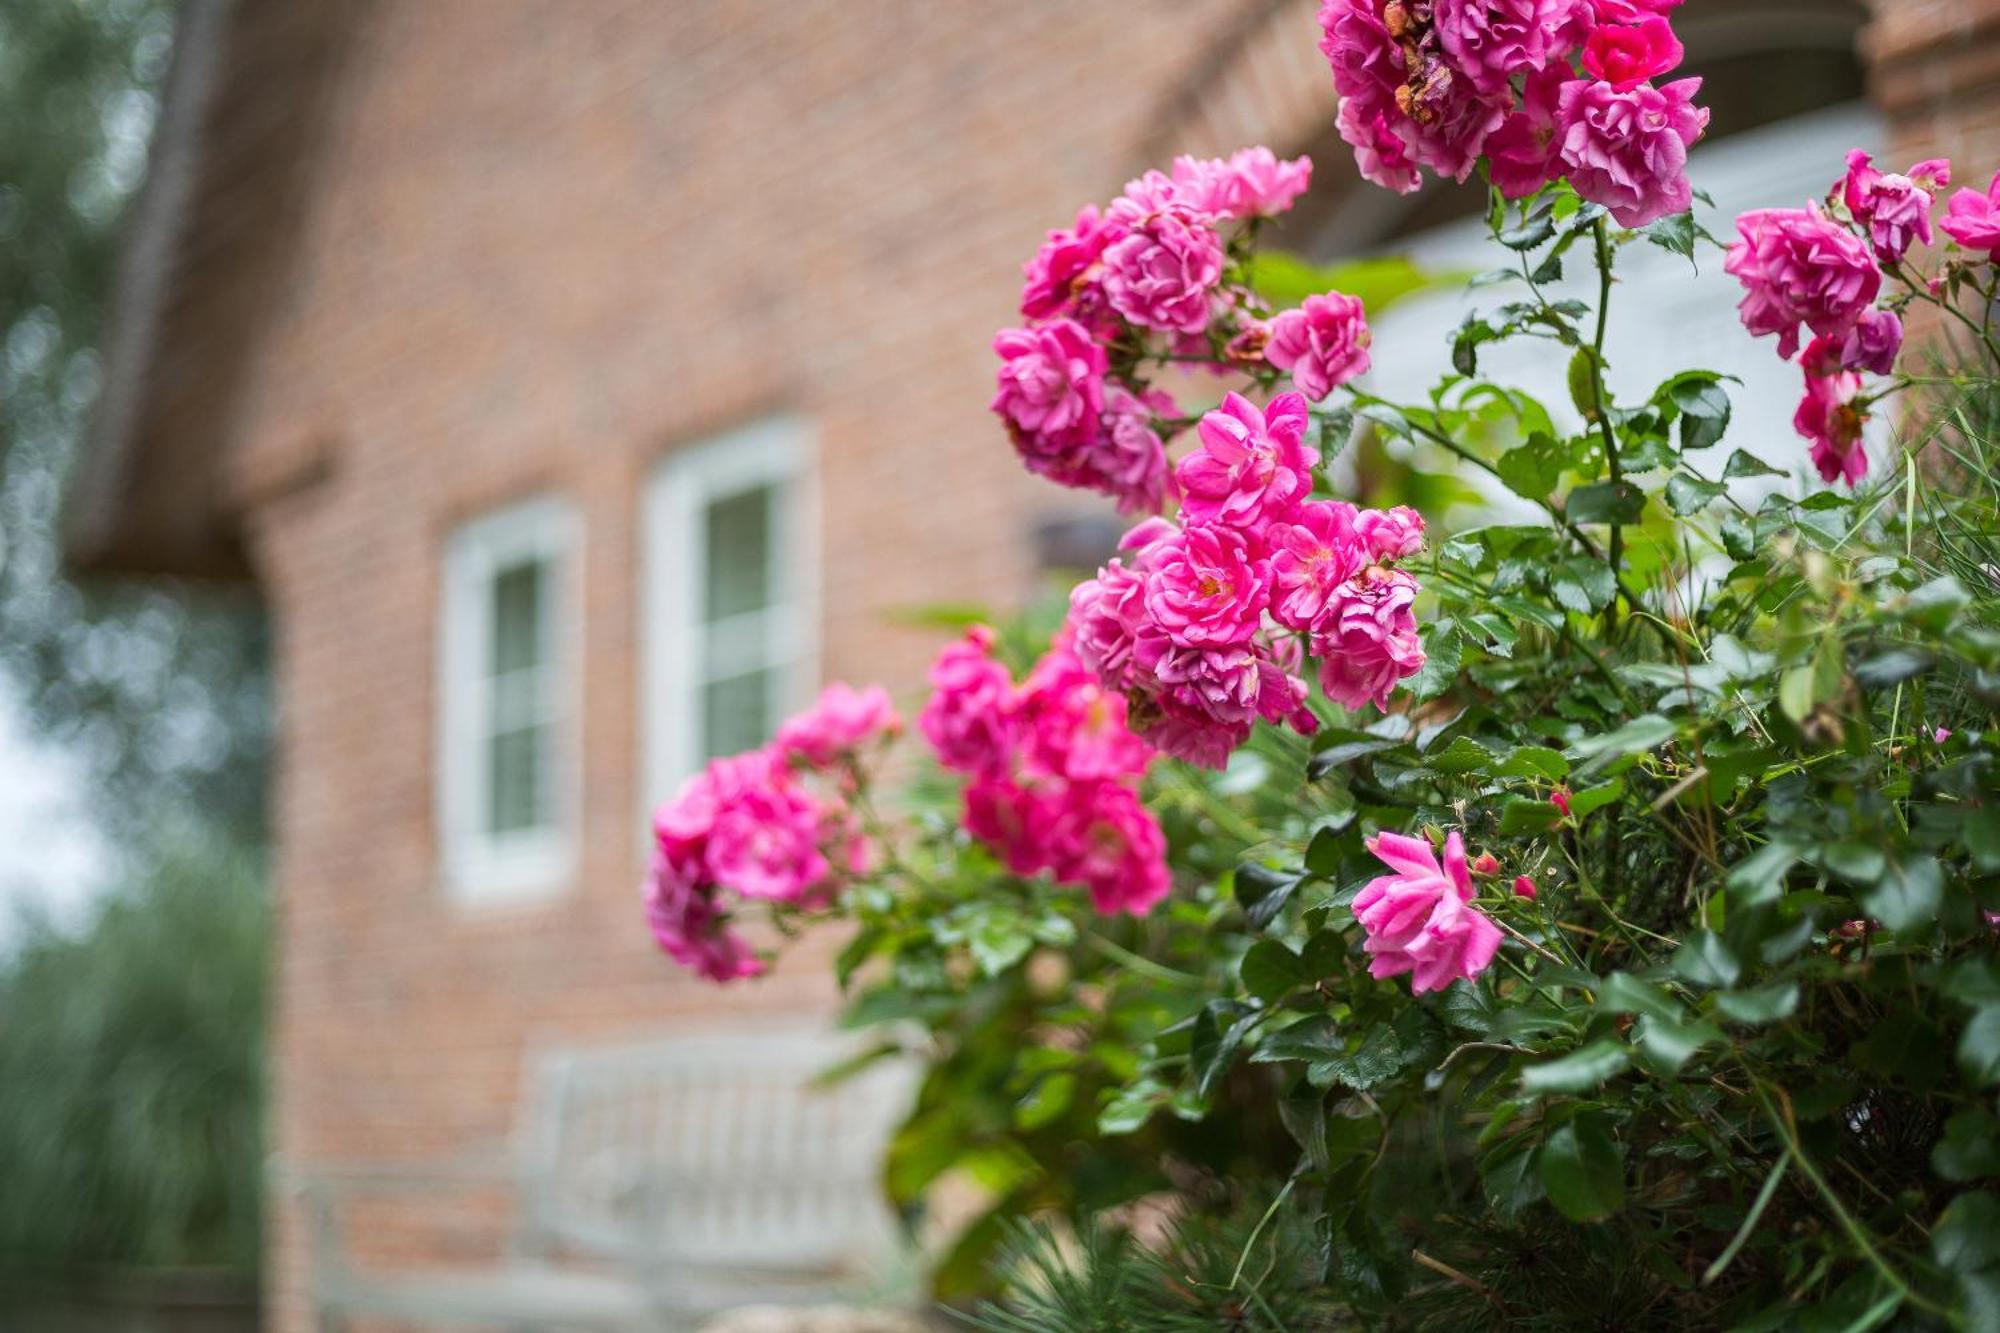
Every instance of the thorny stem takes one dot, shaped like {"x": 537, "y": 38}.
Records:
{"x": 1614, "y": 851}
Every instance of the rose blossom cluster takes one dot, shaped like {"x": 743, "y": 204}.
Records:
{"x": 1203, "y": 625}
{"x": 1445, "y": 84}
{"x": 1054, "y": 771}
{"x": 771, "y": 825}
{"x": 1819, "y": 271}
{"x": 1420, "y": 919}
{"x": 1148, "y": 279}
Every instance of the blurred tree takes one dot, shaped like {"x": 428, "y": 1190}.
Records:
{"x": 130, "y": 1075}
{"x": 161, "y": 688}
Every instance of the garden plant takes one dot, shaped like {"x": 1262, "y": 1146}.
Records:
{"x": 1355, "y": 917}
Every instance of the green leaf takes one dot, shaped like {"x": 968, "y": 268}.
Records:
{"x": 1979, "y": 1046}
{"x": 1704, "y": 410}
{"x": 1463, "y": 755}
{"x": 1687, "y": 494}
{"x": 1760, "y": 878}
{"x": 1605, "y": 502}
{"x": 1533, "y": 469}
{"x": 1045, "y": 1102}
{"x": 1706, "y": 961}
{"x": 1675, "y": 233}
{"x": 1579, "y": 1071}
{"x": 1583, "y": 1169}
{"x": 1742, "y": 464}
{"x": 1587, "y": 799}
{"x": 1737, "y": 537}
{"x": 1257, "y": 882}
{"x": 1535, "y": 761}
{"x": 1527, "y": 814}
{"x": 1646, "y": 732}
{"x": 1966, "y": 1238}
{"x": 1271, "y": 971}
{"x": 1443, "y": 653}
{"x": 1669, "y": 1044}
{"x": 1583, "y": 586}
{"x": 1583, "y": 382}
{"x": 1970, "y": 1148}
{"x": 1623, "y": 993}
{"x": 1908, "y": 894}
{"x": 1132, "y": 1107}
{"x": 1765, "y": 1004}
{"x": 1323, "y": 852}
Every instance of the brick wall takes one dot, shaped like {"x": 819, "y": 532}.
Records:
{"x": 544, "y": 244}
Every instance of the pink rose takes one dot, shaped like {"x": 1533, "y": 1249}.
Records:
{"x": 1973, "y": 219}
{"x": 840, "y": 723}
{"x": 968, "y": 719}
{"x": 1631, "y": 11}
{"x": 1628, "y": 150}
{"x": 1103, "y": 838}
{"x": 1311, "y": 557}
{"x": 1071, "y": 726}
{"x": 1105, "y": 614}
{"x": 1419, "y": 919}
{"x": 1192, "y": 738}
{"x": 1390, "y": 534}
{"x": 1797, "y": 266}
{"x": 1828, "y": 418}
{"x": 1490, "y": 41}
{"x": 1524, "y": 887}
{"x": 1368, "y": 641}
{"x": 1523, "y": 155}
{"x": 1379, "y": 155}
{"x": 765, "y": 839}
{"x": 1408, "y": 85}
{"x": 1162, "y": 274}
{"x": 1627, "y": 55}
{"x": 1252, "y": 467}
{"x": 1208, "y": 588}
{"x": 1051, "y": 390}
{"x": 1871, "y": 345}
{"x": 1896, "y": 208}
{"x": 1012, "y": 819}
{"x": 1129, "y": 461}
{"x": 1252, "y": 183}
{"x": 1065, "y": 265}
{"x": 691, "y": 927}
{"x": 1324, "y": 343}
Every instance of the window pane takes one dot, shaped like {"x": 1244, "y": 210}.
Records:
{"x": 739, "y": 554}
{"x": 735, "y": 714}
{"x": 517, "y": 617}
{"x": 517, "y": 794}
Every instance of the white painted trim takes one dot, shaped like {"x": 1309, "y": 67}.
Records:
{"x": 775, "y": 451}
{"x": 481, "y": 869}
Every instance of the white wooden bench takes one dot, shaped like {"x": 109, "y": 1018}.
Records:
{"x": 659, "y": 1185}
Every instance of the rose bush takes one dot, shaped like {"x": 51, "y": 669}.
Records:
{"x": 1678, "y": 1004}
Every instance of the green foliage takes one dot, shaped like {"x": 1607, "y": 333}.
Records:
{"x": 1734, "y": 1064}
{"x": 130, "y": 1077}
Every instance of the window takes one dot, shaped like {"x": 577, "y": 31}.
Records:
{"x": 731, "y": 625}
{"x": 506, "y": 803}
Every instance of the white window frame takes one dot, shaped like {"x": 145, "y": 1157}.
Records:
{"x": 776, "y": 451}
{"x": 530, "y": 865}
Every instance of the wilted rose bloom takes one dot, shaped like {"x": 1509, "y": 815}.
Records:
{"x": 1207, "y": 587}
{"x": 1490, "y": 41}
{"x": 1419, "y": 920}
{"x": 1829, "y": 419}
{"x": 690, "y": 925}
{"x": 841, "y": 722}
{"x": 1370, "y": 641}
{"x": 1626, "y": 55}
{"x": 1323, "y": 343}
{"x": 1973, "y": 219}
{"x": 1102, "y": 837}
{"x": 1163, "y": 273}
{"x": 1051, "y": 389}
{"x": 1071, "y": 727}
{"x": 1628, "y": 150}
{"x": 1065, "y": 265}
{"x": 1251, "y": 182}
{"x": 1253, "y": 467}
{"x": 1390, "y": 534}
{"x": 1433, "y": 108}
{"x": 1798, "y": 266}
{"x": 1896, "y": 208}
{"x": 968, "y": 719}
{"x": 1524, "y": 154}
{"x": 1871, "y": 345}
{"x": 1311, "y": 558}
